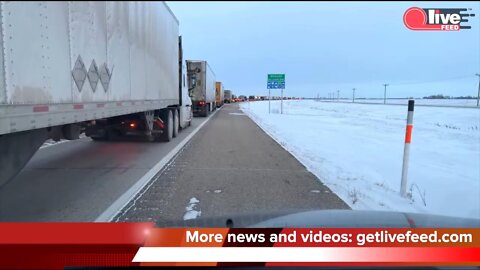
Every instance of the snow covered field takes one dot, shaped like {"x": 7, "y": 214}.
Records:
{"x": 441, "y": 102}
{"x": 357, "y": 149}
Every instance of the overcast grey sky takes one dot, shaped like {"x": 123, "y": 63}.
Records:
{"x": 328, "y": 46}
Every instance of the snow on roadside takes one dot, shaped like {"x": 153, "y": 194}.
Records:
{"x": 418, "y": 101}
{"x": 357, "y": 149}
{"x": 51, "y": 142}
{"x": 192, "y": 210}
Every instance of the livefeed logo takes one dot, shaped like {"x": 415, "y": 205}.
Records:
{"x": 436, "y": 19}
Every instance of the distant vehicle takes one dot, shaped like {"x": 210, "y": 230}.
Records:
{"x": 201, "y": 86}
{"x": 228, "y": 96}
{"x": 219, "y": 94}
{"x": 242, "y": 98}
{"x": 251, "y": 98}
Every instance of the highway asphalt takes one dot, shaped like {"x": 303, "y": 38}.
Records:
{"x": 78, "y": 180}
{"x": 229, "y": 167}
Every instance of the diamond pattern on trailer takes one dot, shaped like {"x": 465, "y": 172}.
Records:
{"x": 105, "y": 76}
{"x": 93, "y": 76}
{"x": 79, "y": 73}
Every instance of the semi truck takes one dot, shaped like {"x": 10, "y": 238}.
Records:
{"x": 219, "y": 94}
{"x": 201, "y": 87}
{"x": 228, "y": 96}
{"x": 104, "y": 68}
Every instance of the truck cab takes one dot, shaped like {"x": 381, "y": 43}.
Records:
{"x": 186, "y": 112}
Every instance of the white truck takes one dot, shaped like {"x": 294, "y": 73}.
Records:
{"x": 201, "y": 87}
{"x": 104, "y": 68}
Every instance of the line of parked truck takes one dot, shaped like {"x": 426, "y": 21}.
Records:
{"x": 231, "y": 98}
{"x": 106, "y": 69}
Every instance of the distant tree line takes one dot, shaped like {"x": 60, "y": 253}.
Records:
{"x": 440, "y": 96}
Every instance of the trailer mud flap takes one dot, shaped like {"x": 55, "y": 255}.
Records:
{"x": 17, "y": 149}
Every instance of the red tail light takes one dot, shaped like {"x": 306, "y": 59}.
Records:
{"x": 133, "y": 125}
{"x": 201, "y": 103}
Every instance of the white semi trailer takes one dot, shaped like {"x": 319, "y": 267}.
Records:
{"x": 201, "y": 86}
{"x": 103, "y": 68}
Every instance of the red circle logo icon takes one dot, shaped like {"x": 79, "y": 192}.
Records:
{"x": 415, "y": 18}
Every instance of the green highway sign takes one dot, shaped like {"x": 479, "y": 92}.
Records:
{"x": 276, "y": 81}
{"x": 276, "y": 78}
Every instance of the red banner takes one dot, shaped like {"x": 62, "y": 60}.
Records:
{"x": 59, "y": 245}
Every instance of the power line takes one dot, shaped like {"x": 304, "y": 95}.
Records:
{"x": 441, "y": 80}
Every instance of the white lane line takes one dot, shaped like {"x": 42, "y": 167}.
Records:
{"x": 114, "y": 209}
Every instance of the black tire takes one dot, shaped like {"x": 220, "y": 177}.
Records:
{"x": 107, "y": 135}
{"x": 176, "y": 123}
{"x": 167, "y": 117}
{"x": 206, "y": 111}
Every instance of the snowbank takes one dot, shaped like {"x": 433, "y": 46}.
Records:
{"x": 357, "y": 149}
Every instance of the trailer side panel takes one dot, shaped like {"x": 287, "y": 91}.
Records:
{"x": 77, "y": 61}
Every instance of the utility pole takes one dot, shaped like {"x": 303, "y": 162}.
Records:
{"x": 385, "y": 93}
{"x": 353, "y": 97}
{"x": 478, "y": 95}
{"x": 338, "y": 95}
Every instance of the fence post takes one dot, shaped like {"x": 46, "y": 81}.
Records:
{"x": 281, "y": 104}
{"x": 269, "y": 98}
{"x": 406, "y": 149}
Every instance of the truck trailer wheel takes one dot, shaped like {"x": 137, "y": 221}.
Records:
{"x": 176, "y": 123}
{"x": 102, "y": 137}
{"x": 167, "y": 117}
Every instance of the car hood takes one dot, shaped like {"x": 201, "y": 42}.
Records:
{"x": 331, "y": 219}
